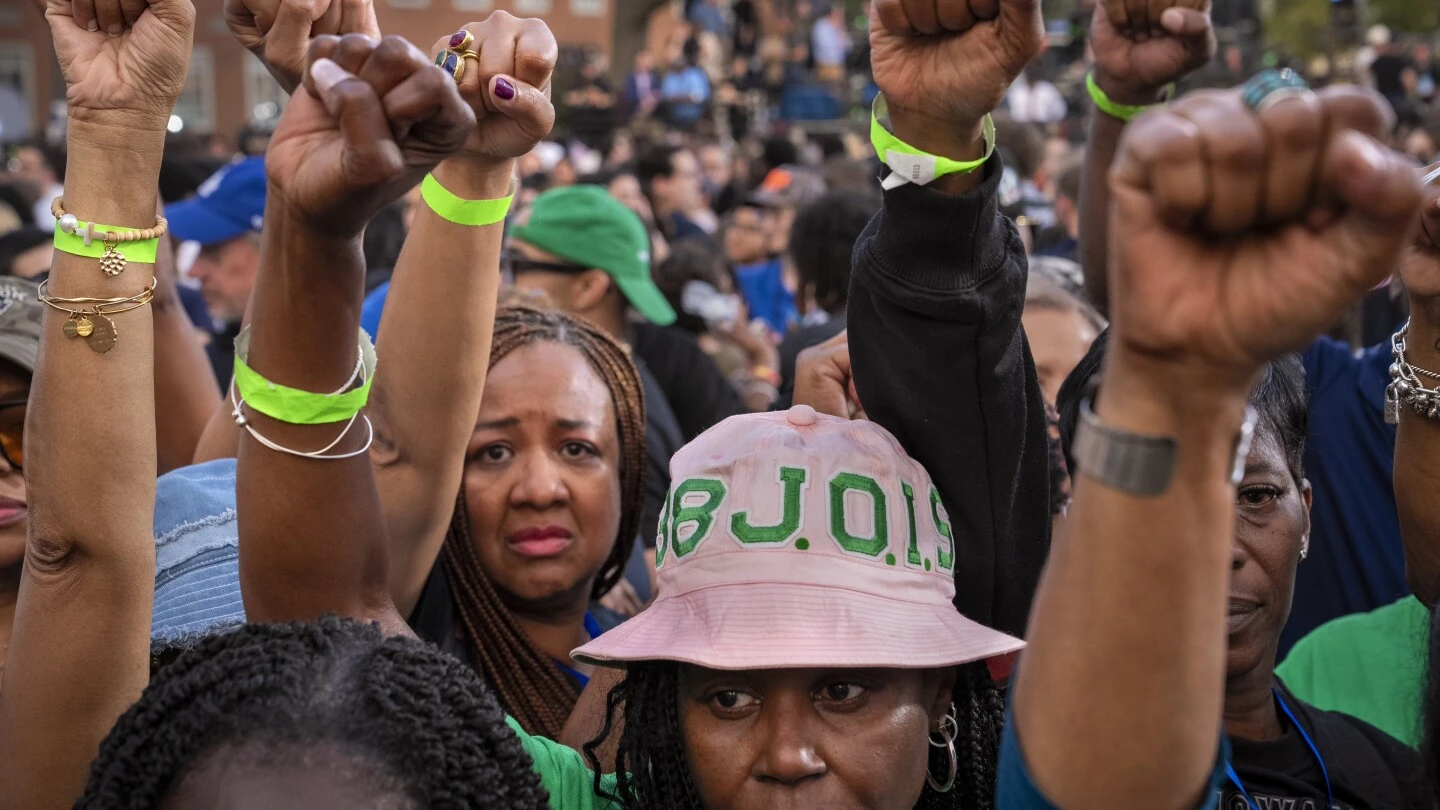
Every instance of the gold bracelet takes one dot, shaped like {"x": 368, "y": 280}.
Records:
{"x": 88, "y": 316}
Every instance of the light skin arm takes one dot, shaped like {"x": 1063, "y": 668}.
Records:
{"x": 79, "y": 653}
{"x": 1417, "y": 444}
{"x": 1220, "y": 268}
{"x": 440, "y": 309}
{"x": 186, "y": 395}
{"x": 1133, "y": 71}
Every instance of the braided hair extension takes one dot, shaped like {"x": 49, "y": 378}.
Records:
{"x": 420, "y": 720}
{"x": 524, "y": 678}
{"x": 652, "y": 773}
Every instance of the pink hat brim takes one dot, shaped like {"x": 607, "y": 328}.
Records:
{"x": 757, "y": 625}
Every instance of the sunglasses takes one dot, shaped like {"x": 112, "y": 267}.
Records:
{"x": 512, "y": 262}
{"x": 12, "y": 432}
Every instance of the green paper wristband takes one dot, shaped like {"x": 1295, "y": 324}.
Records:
{"x": 296, "y": 407}
{"x": 142, "y": 252}
{"x": 1124, "y": 112}
{"x": 911, "y": 165}
{"x": 474, "y": 213}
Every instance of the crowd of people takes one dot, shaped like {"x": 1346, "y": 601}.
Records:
{"x": 1121, "y": 493}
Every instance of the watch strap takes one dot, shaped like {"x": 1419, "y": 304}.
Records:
{"x": 1138, "y": 464}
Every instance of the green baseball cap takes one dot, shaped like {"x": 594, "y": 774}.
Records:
{"x": 585, "y": 225}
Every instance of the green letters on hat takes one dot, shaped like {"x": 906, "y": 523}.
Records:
{"x": 585, "y": 225}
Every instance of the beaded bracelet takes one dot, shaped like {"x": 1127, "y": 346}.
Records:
{"x": 80, "y": 239}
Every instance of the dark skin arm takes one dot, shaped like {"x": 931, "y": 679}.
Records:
{"x": 186, "y": 395}
{"x": 1417, "y": 444}
{"x": 1219, "y": 268}
{"x": 1133, "y": 68}
{"x": 79, "y": 651}
{"x": 311, "y": 532}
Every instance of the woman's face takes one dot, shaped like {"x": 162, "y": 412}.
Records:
{"x": 14, "y": 385}
{"x": 1272, "y": 523}
{"x": 542, "y": 477}
{"x": 805, "y": 738}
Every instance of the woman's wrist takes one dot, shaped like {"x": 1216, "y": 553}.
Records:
{"x": 111, "y": 181}
{"x": 1128, "y": 94}
{"x": 473, "y": 178}
{"x": 1161, "y": 398}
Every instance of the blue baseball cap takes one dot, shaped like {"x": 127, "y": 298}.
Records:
{"x": 197, "y": 555}
{"x": 229, "y": 204}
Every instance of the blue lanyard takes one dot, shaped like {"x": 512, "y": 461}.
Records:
{"x": 1284, "y": 707}
{"x": 592, "y": 627}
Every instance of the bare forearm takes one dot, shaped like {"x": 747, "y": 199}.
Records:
{"x": 1100, "y": 149}
{"x": 304, "y": 331}
{"x": 1153, "y": 572}
{"x": 439, "y": 316}
{"x": 186, "y": 394}
{"x": 1417, "y": 476}
{"x": 79, "y": 651}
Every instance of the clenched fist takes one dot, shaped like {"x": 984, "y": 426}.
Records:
{"x": 1239, "y": 236}
{"x": 373, "y": 119}
{"x": 124, "y": 61}
{"x": 1139, "y": 51}
{"x": 1420, "y": 267}
{"x": 508, "y": 87}
{"x": 944, "y": 64}
{"x": 279, "y": 32}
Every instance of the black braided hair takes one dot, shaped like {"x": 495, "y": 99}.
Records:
{"x": 652, "y": 773}
{"x": 421, "y": 722}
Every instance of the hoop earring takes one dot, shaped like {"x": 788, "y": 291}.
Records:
{"x": 949, "y": 730}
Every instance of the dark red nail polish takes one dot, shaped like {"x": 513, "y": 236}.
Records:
{"x": 504, "y": 89}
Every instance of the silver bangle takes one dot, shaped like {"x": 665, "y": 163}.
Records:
{"x": 1140, "y": 465}
{"x": 1405, "y": 386}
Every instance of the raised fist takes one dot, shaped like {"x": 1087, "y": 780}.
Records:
{"x": 1141, "y": 50}
{"x": 374, "y": 117}
{"x": 951, "y": 60}
{"x": 278, "y": 32}
{"x": 124, "y": 61}
{"x": 1420, "y": 267}
{"x": 1239, "y": 236}
{"x": 508, "y": 85}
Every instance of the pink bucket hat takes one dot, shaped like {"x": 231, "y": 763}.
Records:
{"x": 792, "y": 539}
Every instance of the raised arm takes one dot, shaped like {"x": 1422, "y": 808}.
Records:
{"x": 1219, "y": 268}
{"x": 372, "y": 120}
{"x": 186, "y": 394}
{"x": 440, "y": 312}
{"x": 1417, "y": 444}
{"x": 79, "y": 653}
{"x": 1135, "y": 61}
{"x": 934, "y": 317}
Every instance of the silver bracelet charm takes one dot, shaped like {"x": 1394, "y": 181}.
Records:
{"x": 1406, "y": 387}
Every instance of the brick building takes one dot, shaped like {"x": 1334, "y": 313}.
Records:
{"x": 228, "y": 87}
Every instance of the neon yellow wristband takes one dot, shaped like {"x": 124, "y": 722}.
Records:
{"x": 461, "y": 211}
{"x": 142, "y": 251}
{"x": 910, "y": 165}
{"x": 1124, "y": 112}
{"x": 296, "y": 407}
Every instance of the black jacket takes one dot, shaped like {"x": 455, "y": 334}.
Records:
{"x": 939, "y": 360}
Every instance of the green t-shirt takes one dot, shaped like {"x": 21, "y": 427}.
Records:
{"x": 563, "y": 773}
{"x": 1370, "y": 666}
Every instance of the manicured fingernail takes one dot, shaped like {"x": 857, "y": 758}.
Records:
{"x": 504, "y": 89}
{"x": 93, "y": 26}
{"x": 327, "y": 74}
{"x": 115, "y": 30}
